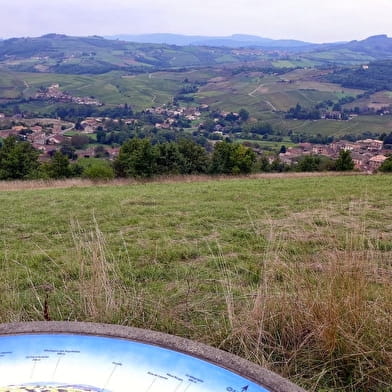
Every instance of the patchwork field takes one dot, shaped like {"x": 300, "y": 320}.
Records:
{"x": 265, "y": 96}
{"x": 356, "y": 126}
{"x": 261, "y": 93}
{"x": 291, "y": 272}
{"x": 255, "y": 91}
{"x": 377, "y": 101}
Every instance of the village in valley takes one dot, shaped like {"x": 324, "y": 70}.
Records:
{"x": 48, "y": 135}
{"x": 53, "y": 92}
{"x": 368, "y": 154}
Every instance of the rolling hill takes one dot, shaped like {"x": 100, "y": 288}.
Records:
{"x": 376, "y": 76}
{"x": 58, "y": 53}
{"x": 233, "y": 41}
{"x": 267, "y": 83}
{"x": 375, "y": 47}
{"x": 96, "y": 55}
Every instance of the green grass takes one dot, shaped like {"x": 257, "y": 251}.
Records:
{"x": 140, "y": 91}
{"x": 269, "y": 145}
{"x": 379, "y": 100}
{"x": 356, "y": 126}
{"x": 261, "y": 94}
{"x": 341, "y": 56}
{"x": 292, "y": 273}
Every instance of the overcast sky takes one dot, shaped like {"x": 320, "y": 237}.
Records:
{"x": 309, "y": 20}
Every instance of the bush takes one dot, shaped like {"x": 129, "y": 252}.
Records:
{"x": 136, "y": 159}
{"x": 18, "y": 160}
{"x": 99, "y": 170}
{"x": 344, "y": 162}
{"x": 386, "y": 165}
{"x": 232, "y": 158}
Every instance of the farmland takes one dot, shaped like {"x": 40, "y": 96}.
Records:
{"x": 265, "y": 96}
{"x": 265, "y": 83}
{"x": 265, "y": 93}
{"x": 290, "y": 272}
{"x": 255, "y": 91}
{"x": 358, "y": 125}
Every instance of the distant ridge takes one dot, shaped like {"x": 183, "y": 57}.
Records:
{"x": 376, "y": 46}
{"x": 52, "y": 52}
{"x": 232, "y": 41}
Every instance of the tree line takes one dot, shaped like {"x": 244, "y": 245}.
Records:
{"x": 141, "y": 159}
{"x": 137, "y": 158}
{"x": 377, "y": 76}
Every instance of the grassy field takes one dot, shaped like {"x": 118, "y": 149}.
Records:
{"x": 269, "y": 145}
{"x": 356, "y": 126}
{"x": 292, "y": 272}
{"x": 113, "y": 88}
{"x": 261, "y": 93}
{"x": 377, "y": 101}
{"x": 343, "y": 56}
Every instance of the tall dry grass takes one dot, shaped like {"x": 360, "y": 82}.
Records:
{"x": 80, "y": 182}
{"x": 324, "y": 321}
{"x": 100, "y": 292}
{"x": 319, "y": 312}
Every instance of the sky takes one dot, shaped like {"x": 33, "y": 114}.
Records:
{"x": 308, "y": 20}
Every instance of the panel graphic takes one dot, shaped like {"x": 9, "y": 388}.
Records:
{"x": 80, "y": 363}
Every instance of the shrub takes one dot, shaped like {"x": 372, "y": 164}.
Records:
{"x": 100, "y": 170}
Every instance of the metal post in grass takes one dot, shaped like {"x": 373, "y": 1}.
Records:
{"x": 73, "y": 356}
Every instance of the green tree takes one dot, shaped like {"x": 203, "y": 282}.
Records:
{"x": 194, "y": 158}
{"x": 386, "y": 166}
{"x": 264, "y": 164}
{"x": 309, "y": 163}
{"x": 344, "y": 161}
{"x": 244, "y": 114}
{"x": 100, "y": 152}
{"x": 68, "y": 150}
{"x": 209, "y": 125}
{"x": 137, "y": 158}
{"x": 232, "y": 158}
{"x": 168, "y": 158}
{"x": 98, "y": 170}
{"x": 18, "y": 160}
{"x": 283, "y": 149}
{"x": 79, "y": 141}
{"x": 278, "y": 166}
{"x": 58, "y": 167}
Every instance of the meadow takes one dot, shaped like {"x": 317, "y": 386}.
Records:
{"x": 292, "y": 272}
{"x": 356, "y": 126}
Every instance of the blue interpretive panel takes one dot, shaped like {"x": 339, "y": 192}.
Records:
{"x": 76, "y": 363}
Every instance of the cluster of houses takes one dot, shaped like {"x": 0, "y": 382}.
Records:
{"x": 172, "y": 115}
{"x": 54, "y": 93}
{"x": 42, "y": 137}
{"x": 49, "y": 137}
{"x": 368, "y": 154}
